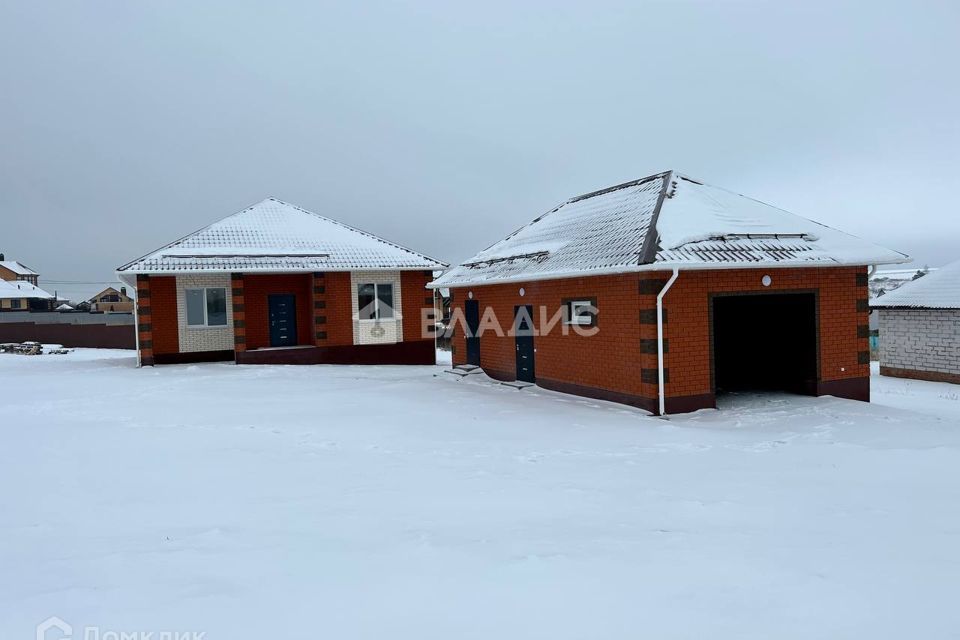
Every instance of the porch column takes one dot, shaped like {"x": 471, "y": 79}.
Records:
{"x": 144, "y": 321}
{"x": 239, "y": 313}
{"x": 319, "y": 309}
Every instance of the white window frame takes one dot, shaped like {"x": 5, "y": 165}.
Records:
{"x": 376, "y": 301}
{"x": 577, "y": 319}
{"x": 206, "y": 320}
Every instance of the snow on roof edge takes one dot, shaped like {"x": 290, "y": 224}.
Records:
{"x": 439, "y": 283}
{"x": 12, "y": 289}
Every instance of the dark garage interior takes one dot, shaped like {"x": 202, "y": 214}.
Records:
{"x": 765, "y": 342}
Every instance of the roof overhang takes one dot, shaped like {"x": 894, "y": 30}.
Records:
{"x": 657, "y": 266}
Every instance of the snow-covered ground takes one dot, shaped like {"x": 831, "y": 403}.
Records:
{"x": 394, "y": 502}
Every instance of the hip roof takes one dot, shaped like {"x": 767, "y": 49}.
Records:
{"x": 659, "y": 222}
{"x": 274, "y": 236}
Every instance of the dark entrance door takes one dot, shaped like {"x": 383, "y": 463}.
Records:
{"x": 471, "y": 310}
{"x": 765, "y": 342}
{"x": 283, "y": 319}
{"x": 523, "y": 327}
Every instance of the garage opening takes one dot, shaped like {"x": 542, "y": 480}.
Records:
{"x": 765, "y": 342}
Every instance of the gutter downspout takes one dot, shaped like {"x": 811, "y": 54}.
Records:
{"x": 872, "y": 270}
{"x": 660, "y": 380}
{"x": 136, "y": 329}
{"x": 136, "y": 314}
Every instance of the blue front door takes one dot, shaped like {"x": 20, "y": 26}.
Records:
{"x": 283, "y": 319}
{"x": 471, "y": 309}
{"x": 523, "y": 328}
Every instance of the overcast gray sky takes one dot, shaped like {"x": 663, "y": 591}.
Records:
{"x": 124, "y": 125}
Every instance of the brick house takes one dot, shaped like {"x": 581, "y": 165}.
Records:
{"x": 19, "y": 290}
{"x": 276, "y": 284}
{"x": 21, "y": 295}
{"x": 11, "y": 270}
{"x": 920, "y": 327}
{"x": 111, "y": 300}
{"x": 661, "y": 292}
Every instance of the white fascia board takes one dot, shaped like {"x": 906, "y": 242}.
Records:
{"x": 657, "y": 266}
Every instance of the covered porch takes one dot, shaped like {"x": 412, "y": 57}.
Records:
{"x": 277, "y": 316}
{"x": 309, "y": 318}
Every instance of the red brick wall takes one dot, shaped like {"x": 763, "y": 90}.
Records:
{"x": 688, "y": 326}
{"x": 623, "y": 352}
{"x": 339, "y": 309}
{"x": 163, "y": 303}
{"x": 256, "y": 288}
{"x": 607, "y": 360}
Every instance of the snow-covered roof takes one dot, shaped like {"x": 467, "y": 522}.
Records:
{"x": 662, "y": 221}
{"x": 22, "y": 289}
{"x": 887, "y": 280}
{"x": 18, "y": 268}
{"x": 938, "y": 289}
{"x": 123, "y": 296}
{"x": 274, "y": 236}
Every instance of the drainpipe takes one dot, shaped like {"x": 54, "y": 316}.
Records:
{"x": 663, "y": 292}
{"x": 136, "y": 330}
{"x": 136, "y": 324}
{"x": 872, "y": 270}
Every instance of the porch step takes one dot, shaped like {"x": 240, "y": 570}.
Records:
{"x": 518, "y": 385}
{"x": 464, "y": 370}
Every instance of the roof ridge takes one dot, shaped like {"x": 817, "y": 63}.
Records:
{"x": 585, "y": 196}
{"x": 355, "y": 229}
{"x": 192, "y": 233}
{"x": 651, "y": 241}
{"x": 617, "y": 187}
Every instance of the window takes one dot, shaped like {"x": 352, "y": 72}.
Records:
{"x": 15, "y": 304}
{"x": 582, "y": 312}
{"x": 375, "y": 301}
{"x": 206, "y": 307}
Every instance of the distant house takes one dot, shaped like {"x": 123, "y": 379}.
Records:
{"x": 665, "y": 291}
{"x": 19, "y": 290}
{"x": 11, "y": 270}
{"x": 111, "y": 300}
{"x": 275, "y": 283}
{"x": 920, "y": 327}
{"x": 17, "y": 295}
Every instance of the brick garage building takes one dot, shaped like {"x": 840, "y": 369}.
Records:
{"x": 750, "y": 297}
{"x": 276, "y": 284}
{"x": 920, "y": 327}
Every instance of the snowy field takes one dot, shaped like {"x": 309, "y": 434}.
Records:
{"x": 394, "y": 502}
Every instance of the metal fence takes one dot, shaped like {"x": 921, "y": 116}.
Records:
{"x": 71, "y": 329}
